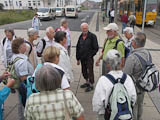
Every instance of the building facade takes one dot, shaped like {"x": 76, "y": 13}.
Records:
{"x": 26, "y": 4}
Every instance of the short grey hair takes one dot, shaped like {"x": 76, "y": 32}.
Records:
{"x": 31, "y": 31}
{"x": 47, "y": 78}
{"x": 84, "y": 24}
{"x": 63, "y": 21}
{"x": 48, "y": 29}
{"x": 113, "y": 59}
{"x": 140, "y": 39}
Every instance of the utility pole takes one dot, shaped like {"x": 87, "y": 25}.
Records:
{"x": 115, "y": 10}
{"x": 144, "y": 15}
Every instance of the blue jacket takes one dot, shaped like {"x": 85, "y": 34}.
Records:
{"x": 4, "y": 93}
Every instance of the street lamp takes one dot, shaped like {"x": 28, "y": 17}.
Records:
{"x": 144, "y": 15}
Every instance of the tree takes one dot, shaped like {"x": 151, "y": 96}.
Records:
{"x": 1, "y": 6}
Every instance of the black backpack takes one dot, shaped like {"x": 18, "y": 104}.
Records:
{"x": 44, "y": 45}
{"x": 127, "y": 51}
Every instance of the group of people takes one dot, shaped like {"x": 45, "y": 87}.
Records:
{"x": 55, "y": 101}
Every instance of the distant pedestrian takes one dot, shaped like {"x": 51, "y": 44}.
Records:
{"x": 133, "y": 68}
{"x": 104, "y": 88}
{"x": 52, "y": 103}
{"x": 109, "y": 15}
{"x": 36, "y": 22}
{"x": 103, "y": 16}
{"x": 112, "y": 16}
{"x": 124, "y": 20}
{"x": 6, "y": 49}
{"x": 5, "y": 91}
{"x": 47, "y": 41}
{"x": 132, "y": 20}
{"x": 128, "y": 32}
{"x": 86, "y": 49}
{"x": 64, "y": 59}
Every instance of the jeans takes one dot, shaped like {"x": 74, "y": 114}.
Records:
{"x": 124, "y": 25}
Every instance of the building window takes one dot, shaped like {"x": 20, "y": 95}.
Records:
{"x": 16, "y": 3}
{"x": 49, "y": 2}
{"x": 10, "y": 3}
{"x": 20, "y": 3}
{"x": 39, "y": 3}
{"x": 29, "y": 3}
{"x": 34, "y": 3}
{"x": 6, "y": 3}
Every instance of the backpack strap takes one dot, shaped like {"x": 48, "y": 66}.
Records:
{"x": 30, "y": 47}
{"x": 16, "y": 59}
{"x": 119, "y": 40}
{"x": 44, "y": 45}
{"x": 60, "y": 71}
{"x": 123, "y": 79}
{"x": 4, "y": 40}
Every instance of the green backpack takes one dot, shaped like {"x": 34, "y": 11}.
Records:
{"x": 11, "y": 70}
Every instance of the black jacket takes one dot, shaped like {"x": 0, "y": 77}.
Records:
{"x": 87, "y": 48}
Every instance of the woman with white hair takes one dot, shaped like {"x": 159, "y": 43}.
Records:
{"x": 31, "y": 50}
{"x": 52, "y": 103}
{"x": 104, "y": 86}
{"x": 64, "y": 27}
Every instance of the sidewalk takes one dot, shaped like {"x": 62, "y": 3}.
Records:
{"x": 150, "y": 112}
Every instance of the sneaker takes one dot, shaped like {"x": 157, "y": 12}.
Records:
{"x": 84, "y": 85}
{"x": 88, "y": 89}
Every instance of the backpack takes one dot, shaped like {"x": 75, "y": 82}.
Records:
{"x": 30, "y": 83}
{"x": 119, "y": 100}
{"x": 4, "y": 40}
{"x": 11, "y": 69}
{"x": 126, "y": 51}
{"x": 44, "y": 45}
{"x": 149, "y": 78}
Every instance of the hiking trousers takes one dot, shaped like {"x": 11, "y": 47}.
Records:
{"x": 138, "y": 107}
{"x": 87, "y": 69}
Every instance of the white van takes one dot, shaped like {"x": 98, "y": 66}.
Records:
{"x": 71, "y": 11}
{"x": 60, "y": 11}
{"x": 46, "y": 13}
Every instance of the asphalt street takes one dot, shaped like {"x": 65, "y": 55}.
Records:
{"x": 74, "y": 23}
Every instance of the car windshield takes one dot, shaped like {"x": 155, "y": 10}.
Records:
{"x": 43, "y": 10}
{"x": 58, "y": 9}
{"x": 70, "y": 9}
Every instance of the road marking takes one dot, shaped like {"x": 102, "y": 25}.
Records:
{"x": 85, "y": 19}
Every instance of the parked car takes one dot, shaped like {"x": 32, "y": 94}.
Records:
{"x": 71, "y": 11}
{"x": 46, "y": 13}
{"x": 60, "y": 11}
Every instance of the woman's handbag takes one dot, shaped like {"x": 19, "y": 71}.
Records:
{"x": 67, "y": 114}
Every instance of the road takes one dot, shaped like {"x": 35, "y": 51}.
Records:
{"x": 74, "y": 24}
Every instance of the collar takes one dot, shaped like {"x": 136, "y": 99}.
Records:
{"x": 58, "y": 45}
{"x": 138, "y": 49}
{"x": 20, "y": 55}
{"x": 114, "y": 39}
{"x": 132, "y": 38}
{"x": 54, "y": 65}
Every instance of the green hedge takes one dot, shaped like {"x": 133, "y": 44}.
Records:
{"x": 12, "y": 16}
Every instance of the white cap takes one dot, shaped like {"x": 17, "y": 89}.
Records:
{"x": 111, "y": 26}
{"x": 129, "y": 30}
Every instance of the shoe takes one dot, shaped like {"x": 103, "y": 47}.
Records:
{"x": 84, "y": 85}
{"x": 88, "y": 89}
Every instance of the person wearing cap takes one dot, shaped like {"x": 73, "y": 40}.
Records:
{"x": 124, "y": 20}
{"x": 31, "y": 50}
{"x": 128, "y": 32}
{"x": 5, "y": 45}
{"x": 112, "y": 33}
{"x": 36, "y": 22}
{"x": 86, "y": 49}
{"x": 104, "y": 86}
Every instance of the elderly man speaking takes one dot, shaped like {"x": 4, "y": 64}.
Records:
{"x": 86, "y": 49}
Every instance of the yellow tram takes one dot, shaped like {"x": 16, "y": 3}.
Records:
{"x": 137, "y": 7}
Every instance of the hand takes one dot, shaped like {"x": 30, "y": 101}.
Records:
{"x": 5, "y": 75}
{"x": 10, "y": 82}
{"x": 78, "y": 62}
{"x": 97, "y": 62}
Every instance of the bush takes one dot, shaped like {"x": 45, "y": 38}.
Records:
{"x": 12, "y": 16}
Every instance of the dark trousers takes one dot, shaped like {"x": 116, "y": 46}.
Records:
{"x": 87, "y": 69}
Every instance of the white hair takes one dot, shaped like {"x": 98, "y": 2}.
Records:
{"x": 83, "y": 24}
{"x": 129, "y": 30}
{"x": 113, "y": 58}
{"x": 48, "y": 29}
{"x": 31, "y": 31}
